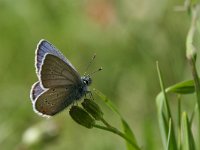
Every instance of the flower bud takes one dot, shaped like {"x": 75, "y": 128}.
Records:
{"x": 92, "y": 108}
{"x": 80, "y": 116}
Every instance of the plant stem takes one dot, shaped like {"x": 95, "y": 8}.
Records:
{"x": 179, "y": 122}
{"x": 116, "y": 131}
{"x": 191, "y": 54}
{"x": 106, "y": 123}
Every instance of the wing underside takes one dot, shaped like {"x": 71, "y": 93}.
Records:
{"x": 56, "y": 73}
{"x": 52, "y": 101}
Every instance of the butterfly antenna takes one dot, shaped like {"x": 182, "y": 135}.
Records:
{"x": 90, "y": 74}
{"x": 89, "y": 64}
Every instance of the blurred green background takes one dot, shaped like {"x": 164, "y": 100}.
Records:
{"x": 128, "y": 36}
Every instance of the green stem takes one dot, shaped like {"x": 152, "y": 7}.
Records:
{"x": 193, "y": 113}
{"x": 196, "y": 80}
{"x": 116, "y": 131}
{"x": 106, "y": 123}
{"x": 197, "y": 88}
{"x": 179, "y": 122}
{"x": 191, "y": 54}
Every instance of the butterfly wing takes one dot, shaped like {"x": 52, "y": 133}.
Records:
{"x": 36, "y": 90}
{"x": 44, "y": 47}
{"x": 52, "y": 101}
{"x": 57, "y": 80}
{"x": 57, "y": 73}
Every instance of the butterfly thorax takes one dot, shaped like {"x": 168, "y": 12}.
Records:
{"x": 78, "y": 91}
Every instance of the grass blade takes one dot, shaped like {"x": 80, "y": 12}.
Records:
{"x": 164, "y": 116}
{"x": 161, "y": 118}
{"x": 169, "y": 134}
{"x": 187, "y": 139}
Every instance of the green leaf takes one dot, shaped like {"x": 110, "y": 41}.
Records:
{"x": 185, "y": 87}
{"x": 127, "y": 130}
{"x": 187, "y": 140}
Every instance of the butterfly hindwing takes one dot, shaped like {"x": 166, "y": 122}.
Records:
{"x": 52, "y": 101}
{"x": 36, "y": 90}
{"x": 56, "y": 73}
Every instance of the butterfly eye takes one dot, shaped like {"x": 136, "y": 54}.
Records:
{"x": 86, "y": 82}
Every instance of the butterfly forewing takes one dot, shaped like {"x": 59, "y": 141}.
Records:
{"x": 56, "y": 73}
{"x": 43, "y": 48}
{"x": 53, "y": 101}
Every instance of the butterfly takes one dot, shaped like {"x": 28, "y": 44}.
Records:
{"x": 59, "y": 84}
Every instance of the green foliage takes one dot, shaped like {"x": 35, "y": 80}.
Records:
{"x": 185, "y": 138}
{"x": 165, "y": 117}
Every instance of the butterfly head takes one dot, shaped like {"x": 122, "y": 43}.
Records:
{"x": 86, "y": 80}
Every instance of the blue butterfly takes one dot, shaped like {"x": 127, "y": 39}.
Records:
{"x": 59, "y": 82}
